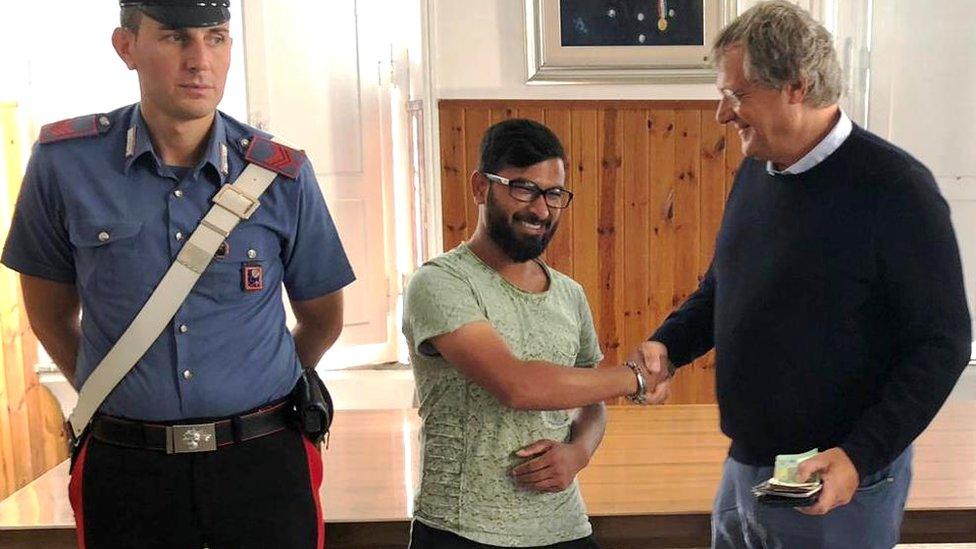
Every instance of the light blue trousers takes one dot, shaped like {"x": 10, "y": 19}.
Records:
{"x": 872, "y": 520}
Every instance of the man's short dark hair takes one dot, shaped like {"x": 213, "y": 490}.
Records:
{"x": 130, "y": 17}
{"x": 518, "y": 143}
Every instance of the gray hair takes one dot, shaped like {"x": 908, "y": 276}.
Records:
{"x": 785, "y": 45}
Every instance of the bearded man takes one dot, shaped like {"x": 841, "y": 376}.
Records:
{"x": 502, "y": 347}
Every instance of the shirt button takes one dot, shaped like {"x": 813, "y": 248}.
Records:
{"x": 178, "y": 193}
{"x": 187, "y": 374}
{"x": 103, "y": 236}
{"x": 251, "y": 254}
{"x": 179, "y": 235}
{"x": 184, "y": 329}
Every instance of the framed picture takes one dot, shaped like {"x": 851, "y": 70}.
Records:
{"x": 613, "y": 41}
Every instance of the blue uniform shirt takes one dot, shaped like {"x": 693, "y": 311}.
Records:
{"x": 104, "y": 213}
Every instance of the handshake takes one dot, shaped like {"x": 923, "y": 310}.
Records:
{"x": 650, "y": 363}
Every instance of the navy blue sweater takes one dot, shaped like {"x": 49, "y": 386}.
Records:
{"x": 835, "y": 304}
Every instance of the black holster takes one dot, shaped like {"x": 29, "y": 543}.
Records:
{"x": 313, "y": 405}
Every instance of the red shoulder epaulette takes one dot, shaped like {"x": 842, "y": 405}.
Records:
{"x": 275, "y": 156}
{"x": 83, "y": 126}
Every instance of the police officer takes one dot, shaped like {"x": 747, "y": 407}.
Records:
{"x": 193, "y": 447}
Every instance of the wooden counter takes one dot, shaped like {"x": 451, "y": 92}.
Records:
{"x": 651, "y": 484}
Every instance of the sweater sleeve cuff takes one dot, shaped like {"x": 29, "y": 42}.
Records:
{"x": 667, "y": 336}
{"x": 867, "y": 461}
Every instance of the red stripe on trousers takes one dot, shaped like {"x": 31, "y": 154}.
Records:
{"x": 75, "y": 494}
{"x": 315, "y": 473}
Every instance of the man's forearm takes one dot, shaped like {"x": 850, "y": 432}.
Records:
{"x": 689, "y": 331}
{"x": 918, "y": 385}
{"x": 61, "y": 344}
{"x": 318, "y": 327}
{"x": 311, "y": 342}
{"x": 53, "y": 310}
{"x": 588, "y": 429}
{"x": 537, "y": 385}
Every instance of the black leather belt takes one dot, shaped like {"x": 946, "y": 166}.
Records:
{"x": 178, "y": 438}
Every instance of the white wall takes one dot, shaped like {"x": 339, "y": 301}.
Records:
{"x": 922, "y": 98}
{"x": 479, "y": 52}
{"x": 58, "y": 61}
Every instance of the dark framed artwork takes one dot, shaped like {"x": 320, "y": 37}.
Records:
{"x": 623, "y": 40}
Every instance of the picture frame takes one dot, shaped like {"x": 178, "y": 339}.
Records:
{"x": 614, "y": 41}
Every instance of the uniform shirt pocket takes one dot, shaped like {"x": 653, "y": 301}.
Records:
{"x": 107, "y": 254}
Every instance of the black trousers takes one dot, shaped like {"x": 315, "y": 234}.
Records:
{"x": 425, "y": 537}
{"x": 259, "y": 494}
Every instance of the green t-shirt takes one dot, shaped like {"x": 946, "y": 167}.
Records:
{"x": 469, "y": 438}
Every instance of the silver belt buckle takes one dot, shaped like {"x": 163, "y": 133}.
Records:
{"x": 182, "y": 439}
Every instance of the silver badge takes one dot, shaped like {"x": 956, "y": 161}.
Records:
{"x": 224, "y": 165}
{"x": 194, "y": 438}
{"x": 130, "y": 142}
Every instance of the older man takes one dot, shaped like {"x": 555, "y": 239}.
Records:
{"x": 835, "y": 300}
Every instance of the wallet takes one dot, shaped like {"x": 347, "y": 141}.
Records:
{"x": 780, "y": 501}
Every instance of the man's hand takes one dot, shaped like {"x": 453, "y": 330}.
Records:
{"x": 653, "y": 357}
{"x": 552, "y": 469}
{"x": 840, "y": 480}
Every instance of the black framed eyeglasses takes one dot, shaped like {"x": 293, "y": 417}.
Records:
{"x": 524, "y": 190}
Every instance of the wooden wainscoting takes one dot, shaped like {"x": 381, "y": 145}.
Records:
{"x": 650, "y": 180}
{"x": 32, "y": 438}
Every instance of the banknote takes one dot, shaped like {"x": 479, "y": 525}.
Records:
{"x": 785, "y": 471}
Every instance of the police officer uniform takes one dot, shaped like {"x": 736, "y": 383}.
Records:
{"x": 100, "y": 210}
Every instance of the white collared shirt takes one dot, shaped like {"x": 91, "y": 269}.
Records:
{"x": 825, "y": 148}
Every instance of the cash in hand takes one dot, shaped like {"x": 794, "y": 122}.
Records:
{"x": 786, "y": 482}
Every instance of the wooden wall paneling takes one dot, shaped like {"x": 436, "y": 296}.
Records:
{"x": 714, "y": 143}
{"x": 33, "y": 393}
{"x": 453, "y": 177}
{"x": 687, "y": 215}
{"x": 609, "y": 246}
{"x": 533, "y": 113}
{"x": 17, "y": 408}
{"x": 26, "y": 407}
{"x": 582, "y": 104}
{"x": 11, "y": 156}
{"x": 8, "y": 480}
{"x": 712, "y": 201}
{"x": 501, "y": 113}
{"x": 661, "y": 236}
{"x": 476, "y": 121}
{"x": 559, "y": 254}
{"x": 687, "y": 234}
{"x": 635, "y": 291}
{"x": 586, "y": 207}
{"x": 30, "y": 417}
